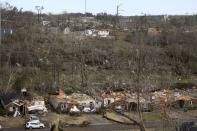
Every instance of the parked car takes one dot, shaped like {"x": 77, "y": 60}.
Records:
{"x": 88, "y": 110}
{"x": 31, "y": 118}
{"x": 74, "y": 111}
{"x": 35, "y": 124}
{"x": 187, "y": 126}
{"x": 119, "y": 109}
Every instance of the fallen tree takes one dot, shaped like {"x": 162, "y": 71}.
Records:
{"x": 132, "y": 121}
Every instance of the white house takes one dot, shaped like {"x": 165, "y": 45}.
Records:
{"x": 88, "y": 32}
{"x": 91, "y": 32}
{"x": 103, "y": 34}
{"x": 66, "y": 31}
{"x": 45, "y": 23}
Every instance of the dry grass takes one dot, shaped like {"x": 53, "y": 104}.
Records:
{"x": 75, "y": 120}
{"x": 60, "y": 120}
{"x": 147, "y": 116}
{"x": 151, "y": 116}
{"x": 13, "y": 122}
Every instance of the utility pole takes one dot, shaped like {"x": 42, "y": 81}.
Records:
{"x": 0, "y": 20}
{"x": 85, "y": 11}
{"x": 85, "y": 7}
{"x": 39, "y": 9}
{"x": 118, "y": 10}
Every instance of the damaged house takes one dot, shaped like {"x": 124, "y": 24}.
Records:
{"x": 130, "y": 103}
{"x": 37, "y": 104}
{"x": 176, "y": 99}
{"x": 58, "y": 101}
{"x": 103, "y": 33}
{"x": 12, "y": 103}
{"x": 64, "y": 103}
{"x": 82, "y": 100}
{"x": 97, "y": 33}
{"x": 113, "y": 96}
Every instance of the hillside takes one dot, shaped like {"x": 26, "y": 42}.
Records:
{"x": 39, "y": 60}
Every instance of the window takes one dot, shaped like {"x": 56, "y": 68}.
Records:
{"x": 191, "y": 103}
{"x": 109, "y": 101}
{"x": 65, "y": 106}
{"x": 83, "y": 104}
{"x": 62, "y": 106}
{"x": 11, "y": 109}
{"x": 91, "y": 103}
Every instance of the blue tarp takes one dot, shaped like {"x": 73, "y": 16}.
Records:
{"x": 6, "y": 31}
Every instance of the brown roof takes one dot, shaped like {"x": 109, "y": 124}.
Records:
{"x": 79, "y": 97}
{"x": 58, "y": 100}
{"x": 119, "y": 95}
{"x": 185, "y": 98}
{"x": 74, "y": 98}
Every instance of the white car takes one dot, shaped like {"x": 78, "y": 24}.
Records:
{"x": 35, "y": 124}
{"x": 74, "y": 109}
{"x": 119, "y": 109}
{"x": 31, "y": 118}
{"x": 87, "y": 110}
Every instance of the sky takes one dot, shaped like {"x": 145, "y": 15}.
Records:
{"x": 128, "y": 7}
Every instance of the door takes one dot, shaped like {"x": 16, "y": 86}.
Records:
{"x": 36, "y": 125}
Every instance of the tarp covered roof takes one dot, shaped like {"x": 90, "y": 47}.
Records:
{"x": 8, "y": 97}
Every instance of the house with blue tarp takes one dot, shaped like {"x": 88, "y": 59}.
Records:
{"x": 6, "y": 31}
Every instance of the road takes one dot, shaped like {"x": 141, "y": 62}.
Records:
{"x": 95, "y": 127}
{"x": 22, "y": 129}
{"x": 107, "y": 127}
{"x": 112, "y": 127}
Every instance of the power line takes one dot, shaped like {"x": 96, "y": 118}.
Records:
{"x": 0, "y": 19}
